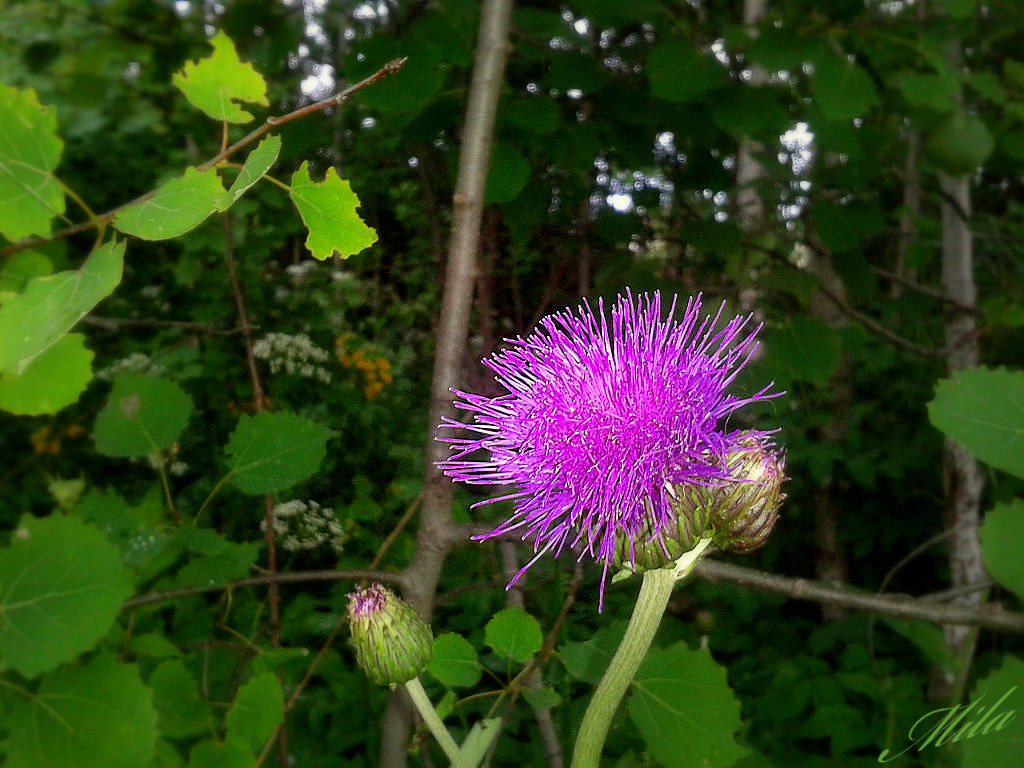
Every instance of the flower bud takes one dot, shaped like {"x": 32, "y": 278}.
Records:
{"x": 392, "y": 643}
{"x": 737, "y": 515}
{"x": 743, "y": 513}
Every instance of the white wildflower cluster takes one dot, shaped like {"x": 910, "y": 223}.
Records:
{"x": 136, "y": 363}
{"x": 294, "y": 354}
{"x": 304, "y": 525}
{"x": 299, "y": 272}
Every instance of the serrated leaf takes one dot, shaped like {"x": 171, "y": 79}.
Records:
{"x": 271, "y": 451}
{"x": 61, "y": 587}
{"x": 32, "y": 321}
{"x": 841, "y": 89}
{"x": 256, "y": 165}
{"x": 685, "y": 710}
{"x": 983, "y": 410}
{"x": 256, "y": 712}
{"x": 328, "y": 210}
{"x": 454, "y": 663}
{"x": 29, "y": 151}
{"x": 999, "y": 742}
{"x": 176, "y": 207}
{"x": 52, "y": 380}
{"x": 99, "y": 714}
{"x": 234, "y": 561}
{"x": 181, "y": 711}
{"x": 680, "y": 73}
{"x": 143, "y": 415}
{"x": 221, "y": 81}
{"x": 514, "y": 634}
{"x": 1001, "y": 537}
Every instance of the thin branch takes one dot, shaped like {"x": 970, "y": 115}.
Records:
{"x": 269, "y": 124}
{"x": 900, "y": 607}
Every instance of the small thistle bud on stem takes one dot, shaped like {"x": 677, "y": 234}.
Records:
{"x": 392, "y": 643}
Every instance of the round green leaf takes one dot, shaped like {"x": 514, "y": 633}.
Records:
{"x": 51, "y": 381}
{"x": 32, "y": 321}
{"x": 514, "y": 634}
{"x": 1001, "y": 536}
{"x": 508, "y": 173}
{"x": 680, "y": 73}
{"x": 256, "y": 712}
{"x": 271, "y": 451}
{"x": 454, "y": 663}
{"x": 99, "y": 714}
{"x": 61, "y": 587}
{"x": 182, "y": 712}
{"x": 143, "y": 415}
{"x": 328, "y": 210}
{"x": 685, "y": 710}
{"x": 30, "y": 150}
{"x": 959, "y": 143}
{"x": 983, "y": 410}
{"x": 841, "y": 89}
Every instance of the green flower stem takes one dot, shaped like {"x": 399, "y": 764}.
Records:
{"x": 650, "y": 607}
{"x": 429, "y": 715}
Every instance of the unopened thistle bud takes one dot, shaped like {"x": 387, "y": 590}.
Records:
{"x": 392, "y": 643}
{"x": 737, "y": 514}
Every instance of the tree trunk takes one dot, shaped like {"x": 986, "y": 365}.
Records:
{"x": 434, "y": 536}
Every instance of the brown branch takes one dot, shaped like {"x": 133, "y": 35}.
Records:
{"x": 897, "y": 606}
{"x": 269, "y": 124}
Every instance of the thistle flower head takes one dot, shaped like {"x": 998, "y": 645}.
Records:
{"x": 601, "y": 419}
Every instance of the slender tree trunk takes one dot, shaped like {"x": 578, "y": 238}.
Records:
{"x": 434, "y": 536}
{"x": 962, "y": 478}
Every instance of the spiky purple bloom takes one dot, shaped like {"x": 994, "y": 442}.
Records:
{"x": 599, "y": 420}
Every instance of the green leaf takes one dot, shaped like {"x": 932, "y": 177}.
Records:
{"x": 216, "y": 754}
{"x": 507, "y": 175}
{"x": 542, "y": 697}
{"x": 232, "y": 561}
{"x": 928, "y": 638}
{"x": 1013, "y": 71}
{"x": 256, "y": 712}
{"x": 685, "y": 710}
{"x": 928, "y": 91}
{"x": 587, "y": 660}
{"x": 680, "y": 73}
{"x": 841, "y": 89}
{"x": 328, "y": 210}
{"x": 99, "y": 714}
{"x": 20, "y": 268}
{"x": 218, "y": 83}
{"x": 514, "y": 634}
{"x": 983, "y": 410}
{"x": 256, "y": 165}
{"x": 32, "y": 321}
{"x": 143, "y": 415}
{"x": 959, "y": 143}
{"x": 51, "y": 381}
{"x": 479, "y": 739}
{"x": 454, "y": 663}
{"x": 181, "y": 711}
{"x": 1001, "y": 535}
{"x": 61, "y": 587}
{"x": 271, "y": 451}
{"x": 999, "y": 742}
{"x": 29, "y": 151}
{"x": 805, "y": 349}
{"x": 176, "y": 207}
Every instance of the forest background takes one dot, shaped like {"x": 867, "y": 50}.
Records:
{"x": 237, "y": 432}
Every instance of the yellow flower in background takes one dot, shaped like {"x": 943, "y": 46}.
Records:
{"x": 375, "y": 371}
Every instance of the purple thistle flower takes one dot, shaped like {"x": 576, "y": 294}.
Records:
{"x": 599, "y": 421}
